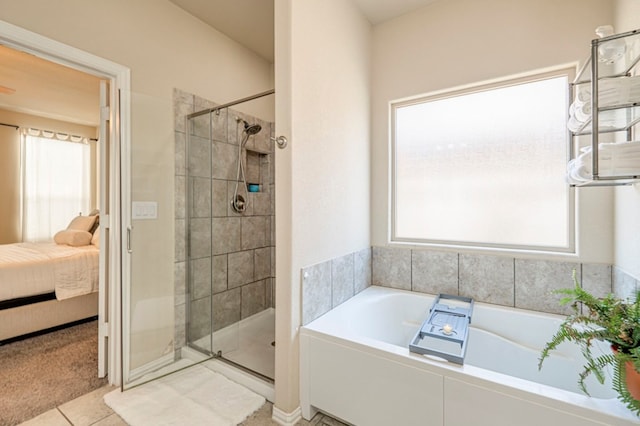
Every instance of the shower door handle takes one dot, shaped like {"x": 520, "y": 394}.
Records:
{"x": 129, "y": 250}
{"x": 281, "y": 141}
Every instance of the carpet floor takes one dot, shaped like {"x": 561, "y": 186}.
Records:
{"x": 42, "y": 372}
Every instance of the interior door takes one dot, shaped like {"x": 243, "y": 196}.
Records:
{"x": 104, "y": 173}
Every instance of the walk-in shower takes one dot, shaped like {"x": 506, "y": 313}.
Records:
{"x": 229, "y": 234}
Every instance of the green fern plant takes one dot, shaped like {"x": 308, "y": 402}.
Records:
{"x": 610, "y": 319}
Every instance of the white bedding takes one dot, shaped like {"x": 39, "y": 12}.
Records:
{"x": 28, "y": 269}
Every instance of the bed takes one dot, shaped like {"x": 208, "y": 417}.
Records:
{"x": 44, "y": 285}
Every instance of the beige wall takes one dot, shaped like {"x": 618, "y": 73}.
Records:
{"x": 627, "y": 199}
{"x": 458, "y": 42}
{"x": 330, "y": 119}
{"x": 164, "y": 48}
{"x": 10, "y": 223}
{"x": 287, "y": 294}
{"x": 10, "y": 231}
{"x": 322, "y": 210}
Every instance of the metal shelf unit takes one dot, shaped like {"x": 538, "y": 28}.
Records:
{"x": 620, "y": 116}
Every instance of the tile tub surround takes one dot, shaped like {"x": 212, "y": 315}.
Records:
{"x": 231, "y": 266}
{"x": 328, "y": 284}
{"x": 500, "y": 280}
{"x": 624, "y": 285}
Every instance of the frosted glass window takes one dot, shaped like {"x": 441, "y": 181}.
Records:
{"x": 485, "y": 167}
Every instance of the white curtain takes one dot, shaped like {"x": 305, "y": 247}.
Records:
{"x": 56, "y": 182}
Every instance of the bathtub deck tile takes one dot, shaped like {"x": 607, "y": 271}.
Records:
{"x": 624, "y": 285}
{"x": 487, "y": 278}
{"x": 316, "y": 291}
{"x": 342, "y": 271}
{"x": 596, "y": 279}
{"x": 434, "y": 272}
{"x": 537, "y": 279}
{"x": 392, "y": 267}
{"x": 362, "y": 270}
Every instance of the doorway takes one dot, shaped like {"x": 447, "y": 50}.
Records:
{"x": 114, "y": 120}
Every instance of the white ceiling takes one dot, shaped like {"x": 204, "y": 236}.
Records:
{"x": 250, "y": 22}
{"x": 378, "y": 11}
{"x": 54, "y": 91}
{"x": 46, "y": 89}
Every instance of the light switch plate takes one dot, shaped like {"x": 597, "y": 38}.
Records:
{"x": 144, "y": 210}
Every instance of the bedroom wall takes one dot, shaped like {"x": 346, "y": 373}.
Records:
{"x": 10, "y": 228}
{"x": 165, "y": 48}
{"x": 9, "y": 191}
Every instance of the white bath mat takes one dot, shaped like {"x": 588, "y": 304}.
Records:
{"x": 195, "y": 396}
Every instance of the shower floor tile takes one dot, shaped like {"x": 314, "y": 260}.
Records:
{"x": 255, "y": 350}
{"x": 248, "y": 342}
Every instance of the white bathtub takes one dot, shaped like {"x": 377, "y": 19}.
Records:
{"x": 356, "y": 365}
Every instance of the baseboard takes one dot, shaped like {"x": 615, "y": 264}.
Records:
{"x": 286, "y": 419}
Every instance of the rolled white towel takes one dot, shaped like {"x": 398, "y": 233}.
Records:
{"x": 610, "y": 162}
{"x": 574, "y": 124}
{"x": 583, "y": 94}
{"x": 577, "y": 172}
{"x": 582, "y": 111}
{"x": 633, "y": 146}
{"x": 611, "y": 91}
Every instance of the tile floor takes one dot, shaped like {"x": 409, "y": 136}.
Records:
{"x": 90, "y": 410}
{"x": 86, "y": 410}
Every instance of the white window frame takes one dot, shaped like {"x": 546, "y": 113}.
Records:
{"x": 568, "y": 70}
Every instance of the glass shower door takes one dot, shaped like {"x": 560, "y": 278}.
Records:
{"x": 230, "y": 157}
{"x": 149, "y": 307}
{"x": 205, "y": 203}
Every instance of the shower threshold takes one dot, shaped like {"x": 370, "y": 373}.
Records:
{"x": 247, "y": 344}
{"x": 221, "y": 357}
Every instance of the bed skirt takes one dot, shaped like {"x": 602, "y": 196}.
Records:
{"x": 43, "y": 315}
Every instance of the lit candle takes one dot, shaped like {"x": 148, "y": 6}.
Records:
{"x": 447, "y": 329}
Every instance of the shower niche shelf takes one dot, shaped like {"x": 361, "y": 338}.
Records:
{"x": 604, "y": 114}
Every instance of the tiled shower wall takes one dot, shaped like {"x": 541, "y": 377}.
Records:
{"x": 232, "y": 255}
{"x": 501, "y": 280}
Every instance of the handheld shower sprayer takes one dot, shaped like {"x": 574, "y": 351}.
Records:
{"x": 239, "y": 203}
{"x": 251, "y": 129}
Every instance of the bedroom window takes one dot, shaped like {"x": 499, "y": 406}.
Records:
{"x": 56, "y": 182}
{"x": 485, "y": 166}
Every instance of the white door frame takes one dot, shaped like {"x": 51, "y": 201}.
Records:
{"x": 120, "y": 194}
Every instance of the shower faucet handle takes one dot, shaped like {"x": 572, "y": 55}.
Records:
{"x": 281, "y": 141}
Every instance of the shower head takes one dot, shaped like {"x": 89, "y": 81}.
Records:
{"x": 251, "y": 129}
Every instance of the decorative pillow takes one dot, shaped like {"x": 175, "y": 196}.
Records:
{"x": 73, "y": 237}
{"x": 96, "y": 225}
{"x": 95, "y": 240}
{"x": 82, "y": 223}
